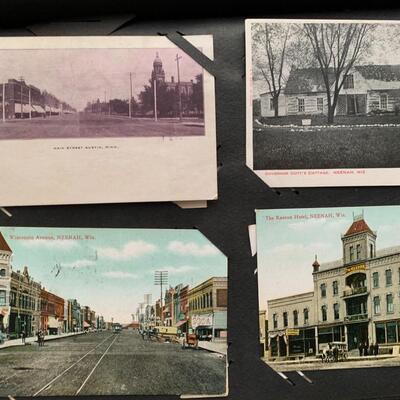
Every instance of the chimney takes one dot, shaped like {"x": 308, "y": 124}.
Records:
{"x": 315, "y": 265}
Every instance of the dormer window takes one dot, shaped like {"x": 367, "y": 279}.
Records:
{"x": 348, "y": 82}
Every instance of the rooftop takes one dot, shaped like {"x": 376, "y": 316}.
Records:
{"x": 3, "y": 244}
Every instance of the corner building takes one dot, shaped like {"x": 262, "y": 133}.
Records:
{"x": 355, "y": 299}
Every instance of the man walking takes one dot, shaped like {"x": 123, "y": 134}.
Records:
{"x": 23, "y": 337}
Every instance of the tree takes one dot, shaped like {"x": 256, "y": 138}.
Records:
{"x": 196, "y": 100}
{"x": 270, "y": 56}
{"x": 337, "y": 47}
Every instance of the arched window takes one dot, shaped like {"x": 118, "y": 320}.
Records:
{"x": 2, "y": 272}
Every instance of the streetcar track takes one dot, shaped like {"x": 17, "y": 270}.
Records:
{"x": 48, "y": 385}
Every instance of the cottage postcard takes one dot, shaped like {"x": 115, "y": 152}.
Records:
{"x": 105, "y": 119}
{"x": 323, "y": 102}
{"x": 111, "y": 312}
{"x": 329, "y": 287}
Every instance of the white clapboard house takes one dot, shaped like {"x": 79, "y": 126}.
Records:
{"x": 367, "y": 88}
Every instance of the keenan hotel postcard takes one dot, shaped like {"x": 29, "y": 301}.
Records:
{"x": 112, "y": 312}
{"x": 329, "y": 287}
{"x": 104, "y": 120}
{"x": 323, "y": 102}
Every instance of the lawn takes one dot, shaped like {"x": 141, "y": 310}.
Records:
{"x": 355, "y": 147}
{"x": 369, "y": 119}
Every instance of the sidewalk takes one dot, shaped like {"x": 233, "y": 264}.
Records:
{"x": 32, "y": 339}
{"x": 216, "y": 347}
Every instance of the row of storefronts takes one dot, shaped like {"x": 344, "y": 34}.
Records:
{"x": 27, "y": 307}
{"x": 355, "y": 301}
{"x": 21, "y": 100}
{"x": 202, "y": 308}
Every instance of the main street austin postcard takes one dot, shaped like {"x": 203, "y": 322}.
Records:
{"x": 131, "y": 114}
{"x": 329, "y": 287}
{"x": 111, "y": 312}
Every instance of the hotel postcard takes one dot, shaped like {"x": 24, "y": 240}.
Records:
{"x": 105, "y": 119}
{"x": 329, "y": 284}
{"x": 323, "y": 102}
{"x": 112, "y": 312}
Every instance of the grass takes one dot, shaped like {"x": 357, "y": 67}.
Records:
{"x": 369, "y": 119}
{"x": 355, "y": 147}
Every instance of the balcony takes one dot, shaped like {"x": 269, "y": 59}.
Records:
{"x": 356, "y": 317}
{"x": 355, "y": 291}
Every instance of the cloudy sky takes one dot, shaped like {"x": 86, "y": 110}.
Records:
{"x": 110, "y": 270}
{"x": 81, "y": 75}
{"x": 287, "y": 246}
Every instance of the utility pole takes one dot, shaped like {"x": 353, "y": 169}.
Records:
{"x": 30, "y": 103}
{"x": 161, "y": 279}
{"x": 22, "y": 109}
{"x": 179, "y": 87}
{"x": 130, "y": 91}
{"x": 4, "y": 102}
{"x": 155, "y": 99}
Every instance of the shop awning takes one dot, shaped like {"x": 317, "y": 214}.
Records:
{"x": 26, "y": 108}
{"x": 180, "y": 323}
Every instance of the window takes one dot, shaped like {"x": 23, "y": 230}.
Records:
{"x": 348, "y": 82}
{"x": 389, "y": 303}
{"x": 375, "y": 279}
{"x": 271, "y": 105}
{"x": 324, "y": 313}
{"x": 377, "y": 305}
{"x": 300, "y": 105}
{"x": 275, "y": 321}
{"x": 2, "y": 272}
{"x": 380, "y": 333}
{"x": 320, "y": 104}
{"x": 305, "y": 314}
{"x": 222, "y": 297}
{"x": 383, "y": 101}
{"x": 2, "y": 297}
{"x": 351, "y": 253}
{"x": 335, "y": 288}
{"x": 336, "y": 311}
{"x": 371, "y": 251}
{"x": 295, "y": 317}
{"x": 388, "y": 275}
{"x": 391, "y": 332}
{"x": 358, "y": 250}
{"x": 285, "y": 319}
{"x": 323, "y": 290}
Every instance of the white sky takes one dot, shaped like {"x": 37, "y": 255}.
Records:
{"x": 81, "y": 75}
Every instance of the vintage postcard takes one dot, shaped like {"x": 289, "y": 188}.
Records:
{"x": 323, "y": 102}
{"x": 105, "y": 119}
{"x": 329, "y": 282}
{"x": 111, "y": 312}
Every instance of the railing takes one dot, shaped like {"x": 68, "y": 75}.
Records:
{"x": 356, "y": 317}
{"x": 352, "y": 292}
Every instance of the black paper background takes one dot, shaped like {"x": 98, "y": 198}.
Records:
{"x": 225, "y": 221}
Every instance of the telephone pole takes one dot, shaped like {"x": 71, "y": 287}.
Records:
{"x": 155, "y": 99}
{"x": 130, "y": 91}
{"x": 179, "y": 87}
{"x": 161, "y": 279}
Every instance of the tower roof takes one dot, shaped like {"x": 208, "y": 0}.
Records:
{"x": 358, "y": 226}
{"x": 3, "y": 244}
{"x": 157, "y": 60}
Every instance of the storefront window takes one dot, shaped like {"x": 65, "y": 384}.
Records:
{"x": 380, "y": 333}
{"x": 2, "y": 297}
{"x": 391, "y": 332}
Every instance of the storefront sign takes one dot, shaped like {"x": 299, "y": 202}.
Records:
{"x": 356, "y": 267}
{"x": 202, "y": 320}
{"x": 292, "y": 332}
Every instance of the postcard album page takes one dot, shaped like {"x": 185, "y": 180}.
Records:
{"x": 323, "y": 102}
{"x": 105, "y": 119}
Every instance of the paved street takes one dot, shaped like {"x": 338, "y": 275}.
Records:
{"x": 109, "y": 364}
{"x": 96, "y": 125}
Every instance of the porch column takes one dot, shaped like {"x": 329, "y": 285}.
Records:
{"x": 279, "y": 345}
{"x": 316, "y": 341}
{"x": 346, "y": 337}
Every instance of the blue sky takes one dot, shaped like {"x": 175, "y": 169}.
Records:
{"x": 287, "y": 244}
{"x": 110, "y": 270}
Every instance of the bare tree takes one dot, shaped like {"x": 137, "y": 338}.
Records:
{"x": 271, "y": 57}
{"x": 337, "y": 47}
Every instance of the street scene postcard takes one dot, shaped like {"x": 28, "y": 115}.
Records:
{"x": 105, "y": 119}
{"x": 323, "y": 102}
{"x": 329, "y": 287}
{"x": 111, "y": 312}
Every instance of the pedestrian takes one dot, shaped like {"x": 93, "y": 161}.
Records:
{"x": 23, "y": 336}
{"x": 335, "y": 353}
{"x": 360, "y": 349}
{"x": 376, "y": 349}
{"x": 38, "y": 337}
{"x": 371, "y": 349}
{"x": 142, "y": 333}
{"x": 365, "y": 349}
